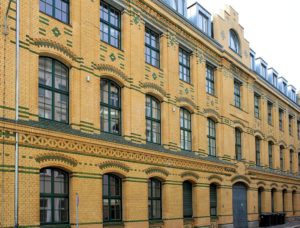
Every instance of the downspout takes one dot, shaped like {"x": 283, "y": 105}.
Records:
{"x": 16, "y": 209}
{"x": 17, "y": 71}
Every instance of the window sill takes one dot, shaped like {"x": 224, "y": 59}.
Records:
{"x": 113, "y": 224}
{"x": 188, "y": 83}
{"x": 235, "y": 52}
{"x": 65, "y": 23}
{"x": 119, "y": 49}
{"x": 156, "y": 222}
{"x": 45, "y": 120}
{"x": 212, "y": 95}
{"x": 239, "y": 108}
{"x": 188, "y": 220}
{"x": 213, "y": 218}
{"x": 56, "y": 226}
{"x": 158, "y": 68}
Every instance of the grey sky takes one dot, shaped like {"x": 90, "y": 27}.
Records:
{"x": 273, "y": 29}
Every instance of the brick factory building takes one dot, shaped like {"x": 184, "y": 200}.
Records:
{"x": 142, "y": 113}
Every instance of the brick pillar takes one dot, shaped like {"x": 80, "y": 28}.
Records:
{"x": 90, "y": 201}
{"x": 278, "y": 201}
{"x": 135, "y": 203}
{"x": 266, "y": 201}
{"x": 172, "y": 210}
{"x": 225, "y": 215}
{"x": 201, "y": 208}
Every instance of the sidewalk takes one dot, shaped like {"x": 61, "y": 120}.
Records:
{"x": 294, "y": 224}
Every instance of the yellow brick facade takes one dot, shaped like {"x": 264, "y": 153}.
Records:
{"x": 80, "y": 149}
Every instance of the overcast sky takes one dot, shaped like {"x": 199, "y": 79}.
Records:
{"x": 273, "y": 29}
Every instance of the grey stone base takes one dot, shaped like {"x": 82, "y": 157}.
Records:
{"x": 294, "y": 218}
{"x": 226, "y": 226}
{"x": 253, "y": 224}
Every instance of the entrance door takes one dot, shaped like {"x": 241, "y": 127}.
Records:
{"x": 239, "y": 203}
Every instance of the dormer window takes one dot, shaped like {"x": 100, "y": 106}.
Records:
{"x": 263, "y": 71}
{"x": 252, "y": 62}
{"x": 293, "y": 95}
{"x": 178, "y": 5}
{"x": 234, "y": 42}
{"x": 284, "y": 89}
{"x": 274, "y": 80}
{"x": 203, "y": 22}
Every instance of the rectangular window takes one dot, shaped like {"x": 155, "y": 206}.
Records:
{"x": 237, "y": 94}
{"x": 203, "y": 25}
{"x": 153, "y": 133}
{"x": 281, "y": 119}
{"x": 257, "y": 150}
{"x": 299, "y": 164}
{"x": 185, "y": 130}
{"x": 210, "y": 80}
{"x": 238, "y": 144}
{"x": 274, "y": 81}
{"x": 152, "y": 48}
{"x": 256, "y": 105}
{"x": 213, "y": 200}
{"x": 270, "y": 149}
{"x": 298, "y": 129}
{"x": 291, "y": 161}
{"x": 110, "y": 25}
{"x": 291, "y": 125}
{"x": 281, "y": 158}
{"x": 270, "y": 113}
{"x": 263, "y": 71}
{"x": 284, "y": 87}
{"x": 180, "y": 6}
{"x": 184, "y": 65}
{"x": 211, "y": 137}
{"x": 59, "y": 9}
{"x": 252, "y": 62}
{"x": 154, "y": 199}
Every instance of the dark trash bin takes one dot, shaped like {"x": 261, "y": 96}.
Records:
{"x": 279, "y": 218}
{"x": 265, "y": 220}
{"x": 283, "y": 218}
{"x": 274, "y": 219}
{"x": 262, "y": 220}
{"x": 268, "y": 219}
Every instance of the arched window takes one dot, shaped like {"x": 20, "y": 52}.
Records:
{"x": 112, "y": 198}
{"x": 53, "y": 90}
{"x": 58, "y": 9}
{"x": 211, "y": 137}
{"x": 154, "y": 199}
{"x": 110, "y": 111}
{"x": 257, "y": 150}
{"x": 284, "y": 194}
{"x": 273, "y": 191}
{"x": 153, "y": 120}
{"x": 238, "y": 144}
{"x": 54, "y": 196}
{"x": 234, "y": 42}
{"x": 281, "y": 149}
{"x": 260, "y": 191}
{"x": 213, "y": 200}
{"x": 185, "y": 130}
{"x": 270, "y": 152}
{"x": 187, "y": 199}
